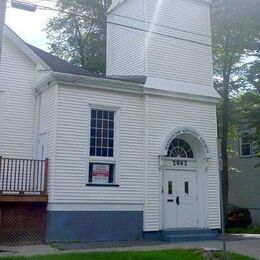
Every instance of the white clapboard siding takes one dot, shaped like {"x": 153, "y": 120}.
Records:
{"x": 165, "y": 114}
{"x": 185, "y": 55}
{"x": 125, "y": 46}
{"x": 185, "y": 15}
{"x": 47, "y": 125}
{"x": 244, "y": 186}
{"x": 244, "y": 182}
{"x": 18, "y": 108}
{"x": 179, "y": 60}
{"x": 175, "y": 46}
{"x": 72, "y": 147}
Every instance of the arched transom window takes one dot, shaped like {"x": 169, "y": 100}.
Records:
{"x": 178, "y": 148}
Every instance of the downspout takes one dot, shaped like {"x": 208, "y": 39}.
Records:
{"x": 38, "y": 97}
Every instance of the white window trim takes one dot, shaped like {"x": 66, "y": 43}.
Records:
{"x": 240, "y": 144}
{"x": 99, "y": 159}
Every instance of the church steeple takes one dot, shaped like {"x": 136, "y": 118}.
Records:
{"x": 168, "y": 40}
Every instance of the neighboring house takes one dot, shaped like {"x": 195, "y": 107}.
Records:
{"x": 127, "y": 158}
{"x": 244, "y": 176}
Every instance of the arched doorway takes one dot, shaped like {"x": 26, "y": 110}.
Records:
{"x": 184, "y": 181}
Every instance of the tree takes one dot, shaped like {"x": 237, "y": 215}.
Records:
{"x": 248, "y": 104}
{"x": 235, "y": 36}
{"x": 78, "y": 33}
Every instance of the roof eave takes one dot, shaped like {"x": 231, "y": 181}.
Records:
{"x": 79, "y": 80}
{"x": 20, "y": 44}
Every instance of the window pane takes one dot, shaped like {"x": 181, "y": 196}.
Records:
{"x": 105, "y": 115}
{"x": 98, "y": 132}
{"x": 93, "y": 122}
{"x": 111, "y": 124}
{"x": 169, "y": 187}
{"x": 111, "y": 143}
{"x": 104, "y": 142}
{"x": 92, "y": 151}
{"x": 110, "y": 152}
{"x": 111, "y": 133}
{"x": 98, "y": 151}
{"x": 93, "y": 132}
{"x": 99, "y": 114}
{"x": 186, "y": 187}
{"x": 105, "y": 124}
{"x": 105, "y": 133}
{"x": 246, "y": 149}
{"x": 104, "y": 151}
{"x": 92, "y": 141}
{"x": 245, "y": 138}
{"x": 102, "y": 128}
{"x": 98, "y": 142}
{"x": 111, "y": 116}
{"x": 93, "y": 114}
{"x": 180, "y": 148}
{"x": 99, "y": 123}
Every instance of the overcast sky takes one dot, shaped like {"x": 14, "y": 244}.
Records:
{"x": 29, "y": 25}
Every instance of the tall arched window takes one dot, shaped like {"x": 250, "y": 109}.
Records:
{"x": 178, "y": 148}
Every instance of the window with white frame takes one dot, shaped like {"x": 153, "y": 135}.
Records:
{"x": 245, "y": 144}
{"x": 102, "y": 147}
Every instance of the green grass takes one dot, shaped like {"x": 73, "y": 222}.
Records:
{"x": 248, "y": 230}
{"x": 180, "y": 254}
{"x": 231, "y": 256}
{"x": 176, "y": 254}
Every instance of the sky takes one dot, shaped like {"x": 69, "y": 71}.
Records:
{"x": 29, "y": 25}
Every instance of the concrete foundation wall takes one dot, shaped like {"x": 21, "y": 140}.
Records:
{"x": 94, "y": 225}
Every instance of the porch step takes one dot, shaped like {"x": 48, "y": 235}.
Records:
{"x": 178, "y": 235}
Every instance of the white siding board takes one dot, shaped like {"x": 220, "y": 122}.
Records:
{"x": 186, "y": 15}
{"x": 244, "y": 185}
{"x": 125, "y": 46}
{"x": 72, "y": 147}
{"x": 164, "y": 115}
{"x": 47, "y": 124}
{"x": 179, "y": 60}
{"x": 176, "y": 44}
{"x": 17, "y": 77}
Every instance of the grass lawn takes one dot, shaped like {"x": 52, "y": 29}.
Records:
{"x": 248, "y": 230}
{"x": 178, "y": 254}
{"x": 231, "y": 256}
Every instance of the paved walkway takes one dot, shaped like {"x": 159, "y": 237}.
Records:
{"x": 239, "y": 244}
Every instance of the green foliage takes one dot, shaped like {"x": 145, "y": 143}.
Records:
{"x": 248, "y": 104}
{"x": 78, "y": 33}
{"x": 235, "y": 37}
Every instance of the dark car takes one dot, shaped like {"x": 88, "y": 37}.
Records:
{"x": 238, "y": 217}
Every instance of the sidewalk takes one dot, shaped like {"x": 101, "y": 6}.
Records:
{"x": 236, "y": 243}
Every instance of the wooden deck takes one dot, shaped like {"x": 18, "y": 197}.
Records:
{"x": 23, "y": 198}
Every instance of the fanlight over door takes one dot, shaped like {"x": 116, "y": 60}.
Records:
{"x": 178, "y": 148}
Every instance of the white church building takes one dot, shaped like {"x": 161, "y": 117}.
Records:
{"x": 132, "y": 155}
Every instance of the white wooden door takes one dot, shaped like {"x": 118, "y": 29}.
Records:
{"x": 180, "y": 199}
{"x": 42, "y": 147}
{"x": 187, "y": 209}
{"x": 170, "y": 206}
